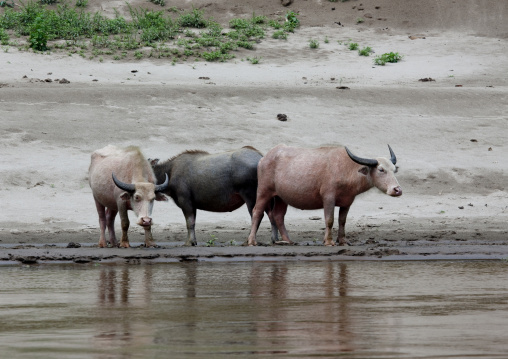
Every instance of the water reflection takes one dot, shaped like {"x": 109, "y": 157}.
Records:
{"x": 287, "y": 309}
{"x": 119, "y": 294}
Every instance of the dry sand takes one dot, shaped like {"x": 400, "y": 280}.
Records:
{"x": 449, "y": 134}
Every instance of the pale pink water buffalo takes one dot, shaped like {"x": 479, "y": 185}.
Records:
{"x": 122, "y": 180}
{"x": 318, "y": 178}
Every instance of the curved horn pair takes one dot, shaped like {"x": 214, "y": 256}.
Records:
{"x": 370, "y": 162}
{"x": 128, "y": 187}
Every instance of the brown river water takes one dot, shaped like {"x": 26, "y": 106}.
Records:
{"x": 298, "y": 309}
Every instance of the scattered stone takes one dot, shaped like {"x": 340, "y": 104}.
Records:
{"x": 342, "y": 87}
{"x": 458, "y": 85}
{"x": 282, "y": 117}
{"x": 286, "y": 2}
{"x": 368, "y": 16}
{"x": 418, "y": 36}
{"x": 461, "y": 207}
{"x": 315, "y": 218}
{"x": 82, "y": 260}
{"x": 282, "y": 243}
{"x": 204, "y": 78}
{"x": 473, "y": 140}
{"x": 426, "y": 79}
{"x": 134, "y": 71}
{"x": 73, "y": 245}
{"x": 48, "y": 80}
{"x": 27, "y": 259}
{"x": 490, "y": 149}
{"x": 64, "y": 81}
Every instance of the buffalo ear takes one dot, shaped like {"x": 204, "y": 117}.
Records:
{"x": 364, "y": 170}
{"x": 160, "y": 197}
{"x": 153, "y": 161}
{"x": 125, "y": 196}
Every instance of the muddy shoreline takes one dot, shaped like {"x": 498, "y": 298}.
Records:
{"x": 78, "y": 247}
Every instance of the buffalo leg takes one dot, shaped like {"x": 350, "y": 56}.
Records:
{"x": 329, "y": 208}
{"x": 257, "y": 216}
{"x": 101, "y": 211}
{"x": 275, "y": 230}
{"x": 250, "y": 200}
{"x": 124, "y": 221}
{"x": 341, "y": 237}
{"x": 190, "y": 220}
{"x": 110, "y": 222}
{"x": 279, "y": 212}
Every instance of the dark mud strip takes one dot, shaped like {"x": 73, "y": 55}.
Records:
{"x": 46, "y": 254}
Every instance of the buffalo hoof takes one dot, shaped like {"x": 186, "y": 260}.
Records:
{"x": 345, "y": 243}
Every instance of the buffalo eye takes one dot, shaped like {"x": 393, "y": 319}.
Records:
{"x": 137, "y": 197}
{"x": 381, "y": 169}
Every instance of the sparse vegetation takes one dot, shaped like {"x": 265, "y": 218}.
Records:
{"x": 314, "y": 44}
{"x": 159, "y": 2}
{"x": 254, "y": 60}
{"x": 280, "y": 34}
{"x": 292, "y": 21}
{"x": 68, "y": 27}
{"x": 7, "y": 3}
{"x": 38, "y": 34}
{"x": 365, "y": 51}
{"x": 353, "y": 46}
{"x": 211, "y": 241}
{"x": 4, "y": 37}
{"x": 392, "y": 57}
{"x": 360, "y": 20}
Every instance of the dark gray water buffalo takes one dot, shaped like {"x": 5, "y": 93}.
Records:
{"x": 109, "y": 167}
{"x": 318, "y": 178}
{"x": 220, "y": 182}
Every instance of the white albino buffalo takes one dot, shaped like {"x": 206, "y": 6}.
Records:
{"x": 318, "y": 178}
{"x": 109, "y": 167}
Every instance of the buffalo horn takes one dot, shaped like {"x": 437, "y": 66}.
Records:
{"x": 392, "y": 158}
{"x": 162, "y": 187}
{"x": 128, "y": 187}
{"x": 362, "y": 161}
